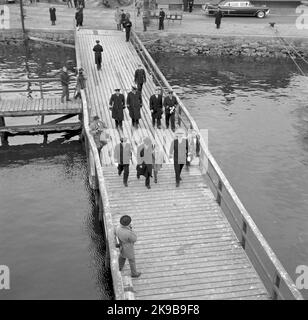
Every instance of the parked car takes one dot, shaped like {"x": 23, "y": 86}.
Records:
{"x": 236, "y": 8}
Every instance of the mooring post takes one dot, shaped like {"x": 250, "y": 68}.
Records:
{"x": 4, "y": 137}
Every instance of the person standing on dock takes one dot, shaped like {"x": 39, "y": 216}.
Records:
{"x": 122, "y": 156}
{"x": 65, "y": 79}
{"x": 156, "y": 107}
{"x": 96, "y": 129}
{"x": 161, "y": 19}
{"x": 98, "y": 49}
{"x": 179, "y": 153}
{"x": 140, "y": 78}
{"x": 80, "y": 83}
{"x": 53, "y": 18}
{"x": 218, "y": 17}
{"x": 170, "y": 103}
{"x": 117, "y": 105}
{"x": 145, "y": 160}
{"x": 127, "y": 238}
{"x": 127, "y": 25}
{"x": 134, "y": 104}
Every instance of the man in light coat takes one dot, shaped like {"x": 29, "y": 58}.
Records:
{"x": 127, "y": 238}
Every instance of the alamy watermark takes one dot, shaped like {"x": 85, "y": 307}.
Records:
{"x": 302, "y": 280}
{"x": 302, "y": 20}
{"x": 4, "y": 17}
{"x": 4, "y": 277}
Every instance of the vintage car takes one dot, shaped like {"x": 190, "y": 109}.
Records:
{"x": 237, "y": 8}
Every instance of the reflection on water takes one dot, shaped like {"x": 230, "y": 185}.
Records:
{"x": 257, "y": 117}
{"x": 49, "y": 232}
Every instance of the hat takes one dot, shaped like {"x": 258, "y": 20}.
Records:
{"x": 95, "y": 117}
{"x": 125, "y": 220}
{"x": 97, "y": 41}
{"x": 170, "y": 91}
{"x": 116, "y": 89}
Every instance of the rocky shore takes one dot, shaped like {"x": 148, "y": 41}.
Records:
{"x": 222, "y": 46}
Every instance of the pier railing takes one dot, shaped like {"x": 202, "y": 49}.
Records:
{"x": 273, "y": 275}
{"x": 37, "y": 83}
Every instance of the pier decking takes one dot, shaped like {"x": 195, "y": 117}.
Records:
{"x": 186, "y": 247}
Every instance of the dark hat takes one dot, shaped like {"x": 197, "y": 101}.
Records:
{"x": 95, "y": 117}
{"x": 125, "y": 220}
{"x": 97, "y": 41}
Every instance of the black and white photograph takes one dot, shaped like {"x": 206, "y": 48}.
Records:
{"x": 153, "y": 151}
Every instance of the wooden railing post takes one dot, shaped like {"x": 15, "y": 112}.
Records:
{"x": 4, "y": 137}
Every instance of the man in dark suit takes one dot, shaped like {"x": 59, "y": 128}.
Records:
{"x": 218, "y": 17}
{"x": 122, "y": 156}
{"x": 170, "y": 103}
{"x": 98, "y": 49}
{"x": 65, "y": 79}
{"x": 127, "y": 25}
{"x": 53, "y": 18}
{"x": 161, "y": 19}
{"x": 134, "y": 104}
{"x": 145, "y": 159}
{"x": 117, "y": 105}
{"x": 179, "y": 153}
{"x": 140, "y": 77}
{"x": 156, "y": 107}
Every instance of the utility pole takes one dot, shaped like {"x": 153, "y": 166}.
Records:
{"x": 22, "y": 17}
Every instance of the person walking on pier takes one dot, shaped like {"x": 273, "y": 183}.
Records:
{"x": 96, "y": 129}
{"x": 65, "y": 79}
{"x": 158, "y": 160}
{"x": 145, "y": 154}
{"x": 134, "y": 104}
{"x": 127, "y": 25}
{"x": 123, "y": 18}
{"x": 170, "y": 103}
{"x": 161, "y": 19}
{"x": 117, "y": 18}
{"x": 127, "y": 238}
{"x": 79, "y": 17}
{"x": 140, "y": 78}
{"x": 156, "y": 107}
{"x": 117, "y": 105}
{"x": 80, "y": 83}
{"x": 122, "y": 156}
{"x": 190, "y": 5}
{"x": 98, "y": 49}
{"x": 179, "y": 153}
{"x": 218, "y": 17}
{"x": 53, "y": 18}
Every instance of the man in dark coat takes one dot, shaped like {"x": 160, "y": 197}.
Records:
{"x": 140, "y": 77}
{"x": 122, "y": 156}
{"x": 127, "y": 238}
{"x": 218, "y": 17}
{"x": 190, "y": 5}
{"x": 79, "y": 17}
{"x": 127, "y": 25}
{"x": 123, "y": 18}
{"x": 75, "y": 3}
{"x": 65, "y": 79}
{"x": 134, "y": 104}
{"x": 117, "y": 105}
{"x": 53, "y": 18}
{"x": 161, "y": 19}
{"x": 156, "y": 107}
{"x": 179, "y": 153}
{"x": 170, "y": 103}
{"x": 98, "y": 49}
{"x": 145, "y": 159}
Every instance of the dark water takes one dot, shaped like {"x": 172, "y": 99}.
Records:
{"x": 257, "y": 116}
{"x": 49, "y": 234}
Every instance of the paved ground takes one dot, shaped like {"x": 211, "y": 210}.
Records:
{"x": 196, "y": 23}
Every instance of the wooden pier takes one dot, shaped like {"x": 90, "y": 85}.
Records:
{"x": 194, "y": 242}
{"x": 42, "y": 107}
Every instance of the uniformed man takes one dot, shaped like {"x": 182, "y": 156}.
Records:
{"x": 156, "y": 107}
{"x": 134, "y": 104}
{"x": 140, "y": 77}
{"x": 122, "y": 156}
{"x": 179, "y": 153}
{"x": 117, "y": 105}
{"x": 170, "y": 103}
{"x": 127, "y": 238}
{"x": 161, "y": 19}
{"x": 98, "y": 49}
